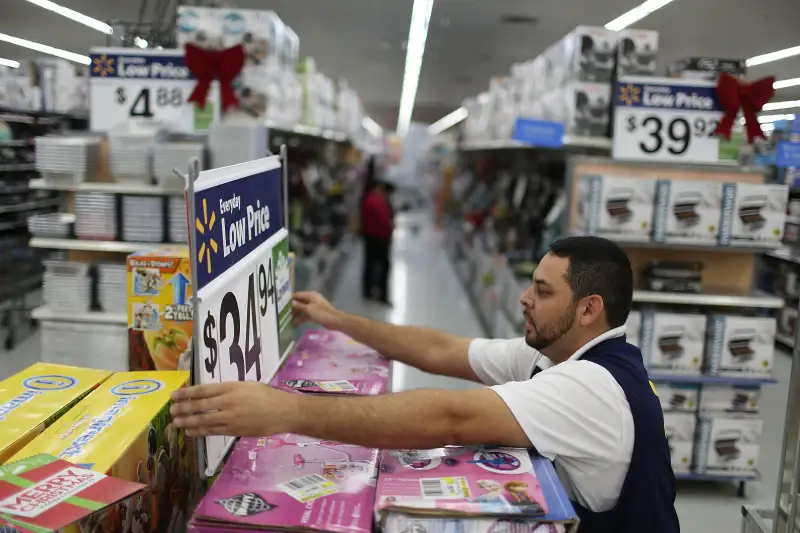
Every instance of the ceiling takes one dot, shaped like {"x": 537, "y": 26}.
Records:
{"x": 363, "y": 40}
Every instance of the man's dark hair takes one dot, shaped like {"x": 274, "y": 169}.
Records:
{"x": 598, "y": 266}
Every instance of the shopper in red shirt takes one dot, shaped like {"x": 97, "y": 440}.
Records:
{"x": 377, "y": 226}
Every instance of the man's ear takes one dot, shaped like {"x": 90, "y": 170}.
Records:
{"x": 591, "y": 309}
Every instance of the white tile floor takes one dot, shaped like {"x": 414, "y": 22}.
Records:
{"x": 425, "y": 291}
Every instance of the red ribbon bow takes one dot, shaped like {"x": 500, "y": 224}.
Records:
{"x": 734, "y": 95}
{"x": 210, "y": 65}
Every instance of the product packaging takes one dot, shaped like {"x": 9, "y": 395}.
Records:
{"x": 728, "y": 398}
{"x": 400, "y": 523}
{"x": 292, "y": 483}
{"x": 687, "y": 212}
{"x": 588, "y": 54}
{"x": 680, "y": 428}
{"x": 637, "y": 52}
{"x": 727, "y": 444}
{"x": 333, "y": 363}
{"x": 673, "y": 343}
{"x": 615, "y": 207}
{"x": 587, "y": 110}
{"x": 124, "y": 429}
{"x": 678, "y": 397}
{"x": 33, "y": 399}
{"x": 160, "y": 312}
{"x": 753, "y": 214}
{"x": 45, "y": 494}
{"x": 633, "y": 328}
{"x": 706, "y": 68}
{"x": 740, "y": 346}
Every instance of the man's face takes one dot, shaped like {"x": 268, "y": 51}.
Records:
{"x": 547, "y": 305}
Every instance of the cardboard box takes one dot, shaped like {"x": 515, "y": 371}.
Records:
{"x": 124, "y": 429}
{"x": 616, "y": 207}
{"x": 678, "y": 397}
{"x": 43, "y": 494}
{"x": 680, "y": 428}
{"x": 687, "y": 212}
{"x": 589, "y": 54}
{"x": 633, "y": 328}
{"x": 587, "y": 109}
{"x": 727, "y": 444}
{"x": 160, "y": 312}
{"x": 706, "y": 68}
{"x": 33, "y": 399}
{"x": 728, "y": 398}
{"x": 673, "y": 343}
{"x": 637, "y": 52}
{"x": 740, "y": 346}
{"x": 753, "y": 215}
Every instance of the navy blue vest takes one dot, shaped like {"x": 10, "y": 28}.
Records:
{"x": 647, "y": 500}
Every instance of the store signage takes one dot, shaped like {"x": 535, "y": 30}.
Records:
{"x": 129, "y": 83}
{"x": 788, "y": 154}
{"x": 240, "y": 267}
{"x": 666, "y": 120}
{"x": 542, "y": 133}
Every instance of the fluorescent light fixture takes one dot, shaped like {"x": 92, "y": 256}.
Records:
{"x": 636, "y": 14}
{"x": 9, "y": 63}
{"x": 767, "y": 127}
{"x": 415, "y": 49}
{"x": 74, "y": 15}
{"x": 448, "y": 121}
{"x": 782, "y": 84}
{"x": 767, "y": 119}
{"x": 141, "y": 43}
{"x": 371, "y": 126}
{"x": 773, "y": 56}
{"x": 43, "y": 48}
{"x": 773, "y": 106}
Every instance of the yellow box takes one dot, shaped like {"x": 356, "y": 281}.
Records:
{"x": 160, "y": 314}
{"x": 123, "y": 429}
{"x": 32, "y": 399}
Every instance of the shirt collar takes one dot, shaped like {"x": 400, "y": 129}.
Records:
{"x": 610, "y": 334}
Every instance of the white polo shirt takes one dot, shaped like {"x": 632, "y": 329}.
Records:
{"x": 574, "y": 413}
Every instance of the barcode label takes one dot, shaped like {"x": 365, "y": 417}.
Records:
{"x": 455, "y": 488}
{"x": 308, "y": 488}
{"x": 338, "y": 386}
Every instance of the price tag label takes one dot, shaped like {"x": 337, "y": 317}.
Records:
{"x": 666, "y": 120}
{"x": 130, "y": 83}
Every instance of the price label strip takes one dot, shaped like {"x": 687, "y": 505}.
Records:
{"x": 237, "y": 241}
{"x": 666, "y": 120}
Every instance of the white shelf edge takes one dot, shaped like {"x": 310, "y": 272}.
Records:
{"x": 784, "y": 254}
{"x": 91, "y": 317}
{"x": 113, "y": 188}
{"x": 756, "y": 299}
{"x": 569, "y": 142}
{"x": 92, "y": 246}
{"x": 312, "y": 131}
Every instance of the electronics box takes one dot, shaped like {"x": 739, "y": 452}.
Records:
{"x": 706, "y": 68}
{"x": 740, "y": 346}
{"x": 160, "y": 312}
{"x": 678, "y": 397}
{"x": 633, "y": 328}
{"x": 589, "y": 54}
{"x": 587, "y": 109}
{"x": 727, "y": 398}
{"x": 673, "y": 343}
{"x": 753, "y": 214}
{"x": 33, "y": 399}
{"x": 727, "y": 444}
{"x": 680, "y": 429}
{"x": 687, "y": 212}
{"x": 617, "y": 207}
{"x": 637, "y": 51}
{"x": 124, "y": 429}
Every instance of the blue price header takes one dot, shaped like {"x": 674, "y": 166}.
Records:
{"x": 155, "y": 65}
{"x": 234, "y": 218}
{"x": 788, "y": 154}
{"x": 666, "y": 95}
{"x": 539, "y": 132}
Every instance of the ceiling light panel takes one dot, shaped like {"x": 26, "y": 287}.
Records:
{"x": 415, "y": 50}
{"x": 448, "y": 121}
{"x": 636, "y": 14}
{"x": 773, "y": 56}
{"x": 774, "y": 106}
{"x": 9, "y": 63}
{"x": 74, "y": 15}
{"x": 43, "y": 48}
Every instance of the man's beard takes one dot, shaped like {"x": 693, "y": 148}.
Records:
{"x": 545, "y": 338}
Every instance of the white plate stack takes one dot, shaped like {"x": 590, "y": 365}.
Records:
{"x": 130, "y": 151}
{"x": 142, "y": 219}
{"x": 55, "y": 225}
{"x": 67, "y": 285}
{"x": 177, "y": 220}
{"x": 175, "y": 155}
{"x": 69, "y": 158}
{"x": 112, "y": 287}
{"x": 95, "y": 216}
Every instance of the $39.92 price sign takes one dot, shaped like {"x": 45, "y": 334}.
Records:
{"x": 666, "y": 120}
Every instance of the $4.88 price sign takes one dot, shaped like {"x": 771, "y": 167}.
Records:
{"x": 143, "y": 102}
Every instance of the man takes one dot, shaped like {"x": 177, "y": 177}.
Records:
{"x": 573, "y": 389}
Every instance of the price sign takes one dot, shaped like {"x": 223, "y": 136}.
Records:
{"x": 130, "y": 83}
{"x": 240, "y": 260}
{"x": 666, "y": 120}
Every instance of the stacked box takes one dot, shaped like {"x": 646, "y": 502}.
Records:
{"x": 753, "y": 214}
{"x": 687, "y": 212}
{"x": 740, "y": 346}
{"x": 680, "y": 429}
{"x": 617, "y": 207}
{"x": 673, "y": 343}
{"x": 728, "y": 444}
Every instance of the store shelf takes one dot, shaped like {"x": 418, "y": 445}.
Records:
{"x": 756, "y": 299}
{"x": 601, "y": 143}
{"x": 784, "y": 254}
{"x": 17, "y": 167}
{"x": 33, "y": 204}
{"x": 712, "y": 380}
{"x": 90, "y": 317}
{"x": 107, "y": 187}
{"x": 310, "y": 131}
{"x": 691, "y": 476}
{"x": 784, "y": 340}
{"x": 90, "y": 246}
{"x": 696, "y": 247}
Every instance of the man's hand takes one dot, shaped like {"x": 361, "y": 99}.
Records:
{"x": 312, "y": 306}
{"x": 245, "y": 408}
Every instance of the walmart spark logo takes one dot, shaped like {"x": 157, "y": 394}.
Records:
{"x": 206, "y": 225}
{"x": 630, "y": 94}
{"x": 103, "y": 66}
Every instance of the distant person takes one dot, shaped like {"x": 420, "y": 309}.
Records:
{"x": 377, "y": 226}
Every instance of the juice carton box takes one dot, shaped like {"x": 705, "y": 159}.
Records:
{"x": 160, "y": 311}
{"x": 293, "y": 483}
{"x": 32, "y": 399}
{"x": 331, "y": 362}
{"x": 43, "y": 494}
{"x": 124, "y": 429}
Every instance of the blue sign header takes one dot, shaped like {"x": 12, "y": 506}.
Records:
{"x": 666, "y": 95}
{"x": 139, "y": 66}
{"x": 788, "y": 154}
{"x": 233, "y": 219}
{"x": 539, "y": 132}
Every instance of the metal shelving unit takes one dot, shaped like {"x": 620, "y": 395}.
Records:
{"x": 106, "y": 187}
{"x": 89, "y": 246}
{"x": 600, "y": 143}
{"x": 91, "y": 317}
{"x": 753, "y": 300}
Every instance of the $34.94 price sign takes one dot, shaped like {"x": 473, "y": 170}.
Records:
{"x": 666, "y": 120}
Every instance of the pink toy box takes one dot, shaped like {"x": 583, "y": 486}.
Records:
{"x": 329, "y": 362}
{"x": 292, "y": 483}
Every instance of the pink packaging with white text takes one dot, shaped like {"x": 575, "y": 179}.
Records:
{"x": 293, "y": 483}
